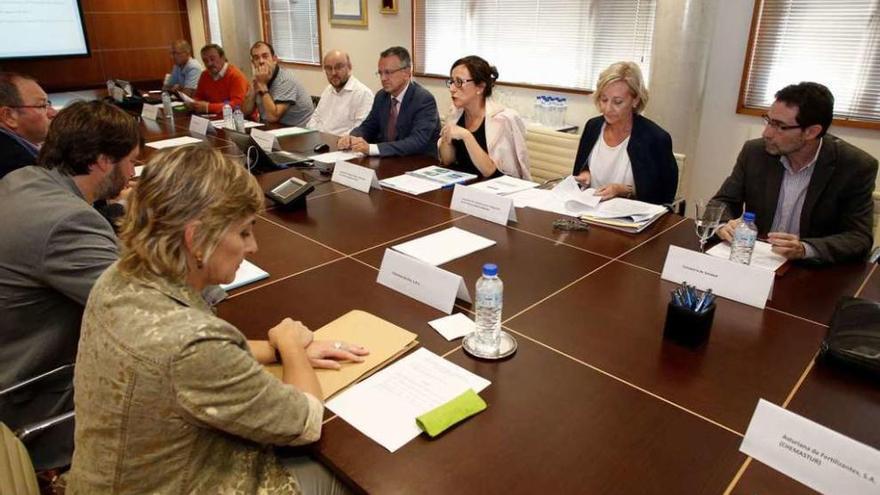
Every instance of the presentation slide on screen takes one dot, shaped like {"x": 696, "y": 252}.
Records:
{"x": 40, "y": 28}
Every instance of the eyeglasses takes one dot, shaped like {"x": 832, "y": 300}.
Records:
{"x": 388, "y": 73}
{"x": 457, "y": 82}
{"x": 777, "y": 125}
{"x": 42, "y": 106}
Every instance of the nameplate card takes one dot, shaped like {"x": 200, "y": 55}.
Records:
{"x": 355, "y": 176}
{"x": 200, "y": 125}
{"x": 265, "y": 140}
{"x": 482, "y": 204}
{"x": 742, "y": 283}
{"x": 423, "y": 282}
{"x": 810, "y": 453}
{"x": 150, "y": 111}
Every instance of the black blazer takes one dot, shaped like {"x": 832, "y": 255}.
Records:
{"x": 655, "y": 172}
{"x": 418, "y": 123}
{"x": 837, "y": 216}
{"x": 13, "y": 155}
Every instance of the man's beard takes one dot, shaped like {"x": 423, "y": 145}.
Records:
{"x": 112, "y": 184}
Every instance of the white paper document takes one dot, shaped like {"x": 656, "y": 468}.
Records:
{"x": 247, "y": 273}
{"x": 170, "y": 143}
{"x": 504, "y": 185}
{"x": 454, "y": 326}
{"x": 290, "y": 131}
{"x": 444, "y": 246}
{"x": 385, "y": 406}
{"x": 138, "y": 170}
{"x": 221, "y": 124}
{"x": 410, "y": 184}
{"x": 336, "y": 156}
{"x": 185, "y": 97}
{"x": 762, "y": 257}
{"x": 810, "y": 453}
{"x": 566, "y": 198}
{"x": 630, "y": 209}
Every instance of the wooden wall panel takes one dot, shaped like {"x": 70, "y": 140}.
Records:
{"x": 128, "y": 40}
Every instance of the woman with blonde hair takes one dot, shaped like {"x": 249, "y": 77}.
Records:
{"x": 169, "y": 398}
{"x": 622, "y": 153}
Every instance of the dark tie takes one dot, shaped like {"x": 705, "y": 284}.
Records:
{"x": 391, "y": 130}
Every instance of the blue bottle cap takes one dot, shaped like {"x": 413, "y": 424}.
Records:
{"x": 490, "y": 269}
{"x": 749, "y": 216}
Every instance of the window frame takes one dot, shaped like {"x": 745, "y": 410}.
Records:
{"x": 265, "y": 23}
{"x": 743, "y": 109}
{"x": 444, "y": 77}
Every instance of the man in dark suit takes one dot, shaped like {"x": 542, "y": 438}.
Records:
{"x": 403, "y": 120}
{"x": 25, "y": 113}
{"x": 55, "y": 245}
{"x": 810, "y": 191}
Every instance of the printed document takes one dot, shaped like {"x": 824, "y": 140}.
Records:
{"x": 444, "y": 246}
{"x": 170, "y": 143}
{"x": 384, "y": 407}
{"x": 246, "y": 274}
{"x": 504, "y": 185}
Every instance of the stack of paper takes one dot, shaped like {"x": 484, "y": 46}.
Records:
{"x": 385, "y": 406}
{"x": 444, "y": 246}
{"x": 247, "y": 273}
{"x": 624, "y": 214}
{"x": 336, "y": 156}
{"x": 170, "y": 143}
{"x": 566, "y": 198}
{"x": 427, "y": 179}
{"x": 762, "y": 256}
{"x": 290, "y": 131}
{"x": 504, "y": 185}
{"x": 384, "y": 340}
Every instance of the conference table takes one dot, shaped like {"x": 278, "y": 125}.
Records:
{"x": 595, "y": 400}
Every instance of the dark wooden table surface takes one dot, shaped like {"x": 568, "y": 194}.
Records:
{"x": 595, "y": 400}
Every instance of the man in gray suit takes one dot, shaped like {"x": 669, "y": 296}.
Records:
{"x": 55, "y": 245}
{"x": 810, "y": 191}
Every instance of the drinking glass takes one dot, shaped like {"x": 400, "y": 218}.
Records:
{"x": 708, "y": 220}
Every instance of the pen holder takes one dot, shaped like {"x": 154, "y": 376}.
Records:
{"x": 686, "y": 326}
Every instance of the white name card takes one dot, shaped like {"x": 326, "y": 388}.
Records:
{"x": 199, "y": 125}
{"x": 810, "y": 453}
{"x": 482, "y": 204}
{"x": 265, "y": 140}
{"x": 423, "y": 282}
{"x": 355, "y": 176}
{"x": 742, "y": 283}
{"x": 150, "y": 111}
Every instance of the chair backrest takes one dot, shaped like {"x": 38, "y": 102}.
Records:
{"x": 551, "y": 153}
{"x": 876, "y": 218}
{"x": 680, "y": 160}
{"x": 16, "y": 471}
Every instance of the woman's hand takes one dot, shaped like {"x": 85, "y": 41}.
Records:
{"x": 609, "y": 191}
{"x": 289, "y": 332}
{"x": 453, "y": 131}
{"x": 583, "y": 177}
{"x": 327, "y": 353}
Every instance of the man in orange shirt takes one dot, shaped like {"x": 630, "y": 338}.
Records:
{"x": 219, "y": 83}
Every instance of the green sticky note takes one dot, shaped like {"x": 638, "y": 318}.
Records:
{"x": 438, "y": 420}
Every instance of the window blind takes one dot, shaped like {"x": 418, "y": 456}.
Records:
{"x": 214, "y": 22}
{"x": 294, "y": 30}
{"x": 564, "y": 43}
{"x": 834, "y": 43}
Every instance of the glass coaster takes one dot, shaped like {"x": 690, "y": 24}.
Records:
{"x": 507, "y": 346}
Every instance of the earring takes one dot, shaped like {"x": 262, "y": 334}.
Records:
{"x": 199, "y": 263}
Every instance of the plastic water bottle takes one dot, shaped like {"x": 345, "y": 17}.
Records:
{"x": 744, "y": 237}
{"x": 227, "y": 116}
{"x": 489, "y": 297}
{"x": 238, "y": 119}
{"x": 166, "y": 105}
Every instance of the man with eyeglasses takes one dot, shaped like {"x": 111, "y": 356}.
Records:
{"x": 345, "y": 102}
{"x": 185, "y": 74}
{"x": 403, "y": 120}
{"x": 810, "y": 191}
{"x": 275, "y": 92}
{"x": 25, "y": 114}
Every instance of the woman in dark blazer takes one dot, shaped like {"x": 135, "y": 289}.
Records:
{"x": 634, "y": 157}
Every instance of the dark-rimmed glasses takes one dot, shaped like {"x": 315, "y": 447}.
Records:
{"x": 777, "y": 125}
{"x": 457, "y": 82}
{"x": 387, "y": 73}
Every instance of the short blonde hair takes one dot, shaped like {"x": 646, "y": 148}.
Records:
{"x": 631, "y": 74}
{"x": 178, "y": 186}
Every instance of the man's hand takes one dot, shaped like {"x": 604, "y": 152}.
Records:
{"x": 788, "y": 245}
{"x": 261, "y": 77}
{"x": 360, "y": 145}
{"x": 725, "y": 232}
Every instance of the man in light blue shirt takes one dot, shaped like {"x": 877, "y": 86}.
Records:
{"x": 186, "y": 71}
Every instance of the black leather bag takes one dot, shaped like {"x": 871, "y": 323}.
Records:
{"x": 853, "y": 338}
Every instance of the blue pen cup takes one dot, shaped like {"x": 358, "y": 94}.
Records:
{"x": 686, "y": 326}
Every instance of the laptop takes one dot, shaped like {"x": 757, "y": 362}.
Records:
{"x": 276, "y": 160}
